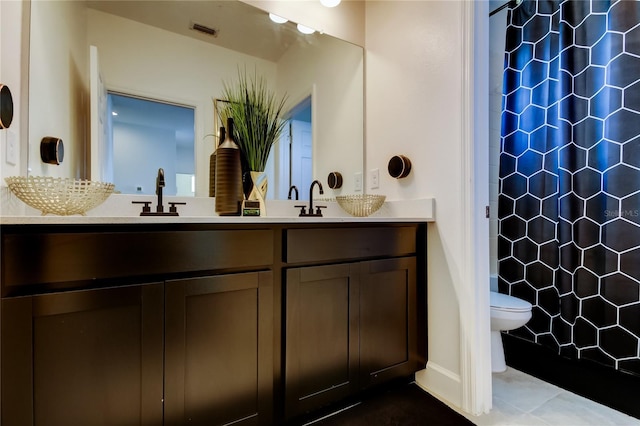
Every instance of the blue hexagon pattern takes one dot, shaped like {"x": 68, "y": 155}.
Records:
{"x": 569, "y": 179}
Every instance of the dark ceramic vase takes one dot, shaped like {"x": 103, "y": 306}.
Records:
{"x": 228, "y": 175}
{"x": 212, "y": 163}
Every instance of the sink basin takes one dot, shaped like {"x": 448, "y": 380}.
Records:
{"x": 361, "y": 205}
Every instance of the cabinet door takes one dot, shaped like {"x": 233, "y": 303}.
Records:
{"x": 219, "y": 350}
{"x": 321, "y": 354}
{"x": 90, "y": 357}
{"x": 388, "y": 320}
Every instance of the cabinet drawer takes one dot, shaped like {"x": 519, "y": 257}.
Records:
{"x": 316, "y": 245}
{"x": 38, "y": 258}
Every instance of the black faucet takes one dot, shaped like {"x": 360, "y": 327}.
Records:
{"x": 315, "y": 182}
{"x": 159, "y": 185}
{"x": 293, "y": 188}
{"x": 318, "y": 212}
{"x": 146, "y": 208}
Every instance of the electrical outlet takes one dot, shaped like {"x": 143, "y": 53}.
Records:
{"x": 374, "y": 178}
{"x": 357, "y": 182}
{"x": 12, "y": 148}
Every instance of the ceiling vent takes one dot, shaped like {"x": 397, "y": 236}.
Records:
{"x": 204, "y": 29}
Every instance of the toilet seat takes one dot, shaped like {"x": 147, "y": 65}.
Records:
{"x": 504, "y": 302}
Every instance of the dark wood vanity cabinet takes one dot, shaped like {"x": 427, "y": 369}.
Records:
{"x": 97, "y": 357}
{"x": 321, "y": 352}
{"x": 350, "y": 326}
{"x": 90, "y": 357}
{"x": 218, "y": 363}
{"x": 204, "y": 324}
{"x": 388, "y": 320}
{"x": 92, "y": 347}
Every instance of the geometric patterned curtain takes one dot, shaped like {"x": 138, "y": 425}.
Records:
{"x": 569, "y": 180}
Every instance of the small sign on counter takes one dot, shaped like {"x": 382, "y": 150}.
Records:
{"x": 251, "y": 208}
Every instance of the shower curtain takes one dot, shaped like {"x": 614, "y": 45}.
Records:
{"x": 569, "y": 179}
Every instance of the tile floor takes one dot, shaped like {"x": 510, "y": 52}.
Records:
{"x": 520, "y": 399}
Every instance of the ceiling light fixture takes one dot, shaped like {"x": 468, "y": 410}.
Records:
{"x": 330, "y": 3}
{"x": 305, "y": 30}
{"x": 277, "y": 19}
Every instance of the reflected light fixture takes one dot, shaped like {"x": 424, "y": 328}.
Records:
{"x": 277, "y": 19}
{"x": 330, "y": 3}
{"x": 114, "y": 113}
{"x": 305, "y": 30}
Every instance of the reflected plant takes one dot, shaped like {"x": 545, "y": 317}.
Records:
{"x": 257, "y": 117}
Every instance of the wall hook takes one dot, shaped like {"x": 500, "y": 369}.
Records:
{"x": 399, "y": 166}
{"x": 6, "y": 107}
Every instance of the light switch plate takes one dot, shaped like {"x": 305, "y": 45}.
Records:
{"x": 374, "y": 178}
{"x": 11, "y": 156}
{"x": 357, "y": 182}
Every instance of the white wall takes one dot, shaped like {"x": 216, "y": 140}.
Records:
{"x": 59, "y": 78}
{"x": 414, "y": 82}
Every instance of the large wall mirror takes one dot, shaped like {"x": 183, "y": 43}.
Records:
{"x": 149, "y": 50}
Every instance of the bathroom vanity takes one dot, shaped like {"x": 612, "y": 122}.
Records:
{"x": 256, "y": 322}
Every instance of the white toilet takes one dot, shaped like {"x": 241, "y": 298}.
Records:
{"x": 507, "y": 313}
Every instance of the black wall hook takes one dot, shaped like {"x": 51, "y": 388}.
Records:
{"x": 6, "y": 107}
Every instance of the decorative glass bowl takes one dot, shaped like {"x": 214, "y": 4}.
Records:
{"x": 59, "y": 195}
{"x": 361, "y": 205}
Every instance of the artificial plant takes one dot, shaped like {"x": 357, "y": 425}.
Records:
{"x": 257, "y": 115}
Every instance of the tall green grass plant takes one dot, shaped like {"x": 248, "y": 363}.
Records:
{"x": 257, "y": 117}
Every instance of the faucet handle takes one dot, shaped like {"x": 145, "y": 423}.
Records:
{"x": 173, "y": 208}
{"x": 303, "y": 210}
{"x": 146, "y": 208}
{"x": 318, "y": 211}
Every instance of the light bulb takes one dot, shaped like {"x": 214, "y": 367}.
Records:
{"x": 277, "y": 19}
{"x": 305, "y": 30}
{"x": 330, "y": 3}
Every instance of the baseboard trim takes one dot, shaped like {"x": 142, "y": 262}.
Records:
{"x": 442, "y": 383}
{"x": 586, "y": 378}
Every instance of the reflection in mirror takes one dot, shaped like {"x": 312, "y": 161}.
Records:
{"x": 300, "y": 148}
{"x": 154, "y": 54}
{"x": 160, "y": 133}
{"x": 290, "y": 161}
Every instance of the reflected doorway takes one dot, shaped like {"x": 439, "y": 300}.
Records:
{"x": 301, "y": 148}
{"x": 144, "y": 135}
{"x": 291, "y": 160}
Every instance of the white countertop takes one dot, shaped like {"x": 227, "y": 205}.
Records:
{"x": 118, "y": 209}
{"x": 80, "y": 220}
